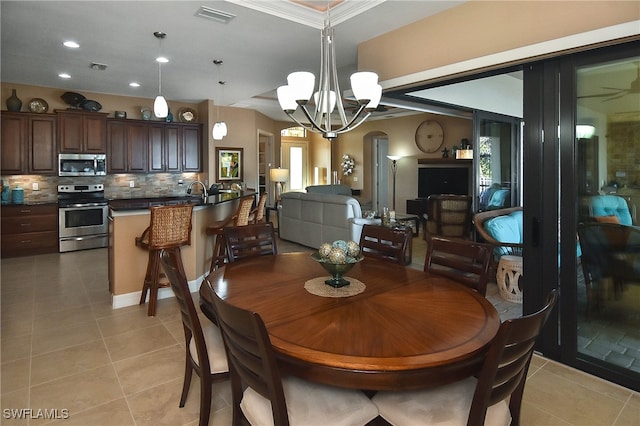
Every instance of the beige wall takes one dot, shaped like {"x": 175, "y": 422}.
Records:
{"x": 401, "y": 135}
{"x": 480, "y": 28}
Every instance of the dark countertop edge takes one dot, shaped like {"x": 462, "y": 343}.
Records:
{"x": 31, "y": 203}
{"x": 128, "y": 204}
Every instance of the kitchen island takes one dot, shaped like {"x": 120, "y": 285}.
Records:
{"x": 128, "y": 218}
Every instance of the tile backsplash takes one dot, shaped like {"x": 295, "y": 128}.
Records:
{"x": 115, "y": 186}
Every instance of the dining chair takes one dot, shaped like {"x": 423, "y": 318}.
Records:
{"x": 204, "y": 348}
{"x": 262, "y": 396}
{"x": 464, "y": 261}
{"x": 169, "y": 229}
{"x": 249, "y": 241}
{"x": 493, "y": 398}
{"x": 257, "y": 215}
{"x": 388, "y": 244}
{"x": 239, "y": 218}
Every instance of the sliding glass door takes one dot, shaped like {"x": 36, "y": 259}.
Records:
{"x": 497, "y": 139}
{"x": 582, "y": 140}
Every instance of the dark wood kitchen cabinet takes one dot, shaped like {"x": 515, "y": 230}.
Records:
{"x": 165, "y": 148}
{"x": 127, "y": 146}
{"x": 29, "y": 229}
{"x": 192, "y": 148}
{"x": 139, "y": 146}
{"x": 82, "y": 132}
{"x": 28, "y": 143}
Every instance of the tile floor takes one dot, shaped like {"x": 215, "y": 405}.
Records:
{"x": 66, "y": 353}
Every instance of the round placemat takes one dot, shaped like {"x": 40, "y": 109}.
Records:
{"x": 319, "y": 288}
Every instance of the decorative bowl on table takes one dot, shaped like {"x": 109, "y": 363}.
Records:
{"x": 337, "y": 259}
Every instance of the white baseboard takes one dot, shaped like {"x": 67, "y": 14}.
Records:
{"x": 130, "y": 299}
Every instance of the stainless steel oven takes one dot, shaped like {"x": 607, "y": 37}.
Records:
{"x": 82, "y": 217}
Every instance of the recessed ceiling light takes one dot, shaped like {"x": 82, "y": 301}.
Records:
{"x": 134, "y": 84}
{"x": 71, "y": 44}
{"x": 162, "y": 59}
{"x": 64, "y": 75}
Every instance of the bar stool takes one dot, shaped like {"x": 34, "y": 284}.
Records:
{"x": 169, "y": 229}
{"x": 239, "y": 218}
{"x": 257, "y": 215}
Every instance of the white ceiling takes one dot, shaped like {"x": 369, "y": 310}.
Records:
{"x": 259, "y": 47}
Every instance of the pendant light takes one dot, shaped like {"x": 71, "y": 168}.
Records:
{"x": 219, "y": 130}
{"x": 160, "y": 106}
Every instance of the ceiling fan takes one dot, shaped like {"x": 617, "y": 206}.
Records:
{"x": 634, "y": 88}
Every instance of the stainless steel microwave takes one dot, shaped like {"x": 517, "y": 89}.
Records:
{"x": 82, "y": 164}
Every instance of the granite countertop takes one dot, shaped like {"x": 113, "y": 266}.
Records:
{"x": 31, "y": 203}
{"x": 124, "y": 204}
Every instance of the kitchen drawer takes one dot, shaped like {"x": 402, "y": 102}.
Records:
{"x": 29, "y": 243}
{"x": 27, "y": 210}
{"x": 22, "y": 224}
{"x": 29, "y": 229}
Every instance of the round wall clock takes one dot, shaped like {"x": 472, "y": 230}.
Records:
{"x": 429, "y": 136}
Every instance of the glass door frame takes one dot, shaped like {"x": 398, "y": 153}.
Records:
{"x": 550, "y": 151}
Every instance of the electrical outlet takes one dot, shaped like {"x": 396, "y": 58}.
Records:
{"x": 35, "y": 186}
{"x": 355, "y": 178}
{"x": 132, "y": 184}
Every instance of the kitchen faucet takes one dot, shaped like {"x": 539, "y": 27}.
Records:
{"x": 204, "y": 190}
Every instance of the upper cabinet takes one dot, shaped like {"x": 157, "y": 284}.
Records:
{"x": 28, "y": 144}
{"x": 138, "y": 146}
{"x": 191, "y": 148}
{"x": 82, "y": 132}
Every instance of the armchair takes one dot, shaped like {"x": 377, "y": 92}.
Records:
{"x": 448, "y": 215}
{"x": 608, "y": 208}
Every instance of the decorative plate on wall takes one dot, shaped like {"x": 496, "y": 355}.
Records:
{"x": 429, "y": 136}
{"x": 38, "y": 105}
{"x": 187, "y": 115}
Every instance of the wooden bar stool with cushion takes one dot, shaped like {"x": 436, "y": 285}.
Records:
{"x": 239, "y": 218}
{"x": 170, "y": 228}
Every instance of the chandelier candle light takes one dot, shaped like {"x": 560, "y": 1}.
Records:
{"x": 300, "y": 87}
{"x": 160, "y": 106}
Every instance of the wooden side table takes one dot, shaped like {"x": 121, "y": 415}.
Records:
{"x": 403, "y": 218}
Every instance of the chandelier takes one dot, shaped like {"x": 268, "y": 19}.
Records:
{"x": 300, "y": 89}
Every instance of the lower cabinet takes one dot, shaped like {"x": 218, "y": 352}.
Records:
{"x": 29, "y": 229}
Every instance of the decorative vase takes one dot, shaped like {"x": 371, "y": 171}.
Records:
{"x": 337, "y": 270}
{"x": 13, "y": 102}
{"x": 169, "y": 117}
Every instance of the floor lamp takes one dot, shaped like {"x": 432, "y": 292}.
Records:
{"x": 394, "y": 159}
{"x": 279, "y": 176}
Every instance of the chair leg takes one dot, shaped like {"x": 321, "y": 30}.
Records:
{"x": 205, "y": 398}
{"x": 188, "y": 373}
{"x": 147, "y": 279}
{"x": 219, "y": 253}
{"x": 153, "y": 287}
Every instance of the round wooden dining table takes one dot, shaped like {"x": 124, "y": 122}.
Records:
{"x": 408, "y": 329}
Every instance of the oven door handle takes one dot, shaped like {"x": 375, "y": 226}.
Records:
{"x": 75, "y": 206}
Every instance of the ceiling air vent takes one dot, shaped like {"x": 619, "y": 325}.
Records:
{"x": 215, "y": 15}
{"x": 97, "y": 66}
